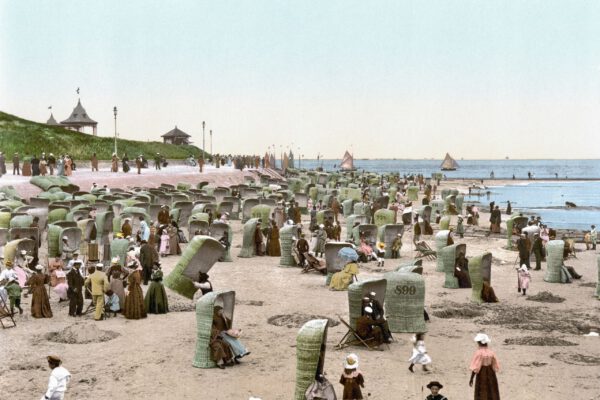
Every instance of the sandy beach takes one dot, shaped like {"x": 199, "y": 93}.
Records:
{"x": 540, "y": 345}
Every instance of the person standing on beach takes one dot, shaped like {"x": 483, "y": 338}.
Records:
{"x": 59, "y": 379}
{"x": 75, "y": 290}
{"x": 99, "y": 284}
{"x": 157, "y": 161}
{"x": 508, "y": 208}
{"x": 94, "y": 161}
{"x": 524, "y": 277}
{"x": 2, "y": 164}
{"x": 484, "y": 366}
{"x": 51, "y": 163}
{"x": 16, "y": 167}
{"x": 114, "y": 163}
{"x": 538, "y": 250}
{"x": 594, "y": 237}
{"x": 523, "y": 250}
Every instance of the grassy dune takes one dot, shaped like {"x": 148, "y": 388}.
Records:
{"x": 28, "y": 137}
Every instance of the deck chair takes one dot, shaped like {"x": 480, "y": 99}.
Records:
{"x": 313, "y": 264}
{"x": 6, "y": 315}
{"x": 351, "y": 338}
{"x": 425, "y": 251}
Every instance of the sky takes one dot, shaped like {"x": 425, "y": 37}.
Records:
{"x": 383, "y": 79}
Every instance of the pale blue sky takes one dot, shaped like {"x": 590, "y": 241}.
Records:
{"x": 404, "y": 79}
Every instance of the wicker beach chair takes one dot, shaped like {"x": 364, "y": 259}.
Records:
{"x": 387, "y": 234}
{"x": 333, "y": 262}
{"x": 441, "y": 240}
{"x": 200, "y": 254}
{"x": 554, "y": 261}
{"x": 216, "y": 230}
{"x": 14, "y": 247}
{"x": 405, "y": 302}
{"x": 248, "y": 245}
{"x": 247, "y": 206}
{"x": 263, "y": 212}
{"x": 288, "y": 236}
{"x": 367, "y": 231}
{"x": 480, "y": 269}
{"x": 448, "y": 256}
{"x": 204, "y": 319}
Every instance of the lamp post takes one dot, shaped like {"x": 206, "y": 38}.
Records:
{"x": 211, "y": 142}
{"x": 203, "y": 125}
{"x": 115, "y": 112}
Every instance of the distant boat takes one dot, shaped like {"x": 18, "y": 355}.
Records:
{"x": 347, "y": 163}
{"x": 449, "y": 164}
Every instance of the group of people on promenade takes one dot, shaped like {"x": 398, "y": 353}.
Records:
{"x": 42, "y": 166}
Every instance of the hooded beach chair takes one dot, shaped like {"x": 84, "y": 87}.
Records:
{"x": 204, "y": 320}
{"x": 448, "y": 256}
{"x": 216, "y": 230}
{"x": 311, "y": 347}
{"x": 480, "y": 269}
{"x": 333, "y": 262}
{"x": 405, "y": 302}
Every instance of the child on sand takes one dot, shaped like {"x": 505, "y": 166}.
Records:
{"x": 352, "y": 379}
{"x": 419, "y": 353}
{"x": 524, "y": 279}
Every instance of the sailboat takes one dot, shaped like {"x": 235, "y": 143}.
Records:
{"x": 347, "y": 163}
{"x": 449, "y": 164}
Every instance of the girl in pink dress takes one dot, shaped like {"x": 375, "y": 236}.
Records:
{"x": 524, "y": 279}
{"x": 484, "y": 366}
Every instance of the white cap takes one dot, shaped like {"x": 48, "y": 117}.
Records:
{"x": 351, "y": 361}
{"x": 23, "y": 252}
{"x": 482, "y": 338}
{"x": 321, "y": 226}
{"x": 39, "y": 268}
{"x": 65, "y": 237}
{"x": 99, "y": 265}
{"x": 115, "y": 260}
{"x": 368, "y": 310}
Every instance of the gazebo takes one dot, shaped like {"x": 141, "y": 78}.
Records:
{"x": 79, "y": 119}
{"x": 51, "y": 121}
{"x": 176, "y": 136}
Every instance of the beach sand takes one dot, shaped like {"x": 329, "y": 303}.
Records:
{"x": 540, "y": 345}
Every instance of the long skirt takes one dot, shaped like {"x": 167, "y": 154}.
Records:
{"x": 40, "y": 304}
{"x": 134, "y": 303}
{"x": 156, "y": 301}
{"x": 118, "y": 288}
{"x": 486, "y": 384}
{"x": 61, "y": 290}
{"x": 237, "y": 347}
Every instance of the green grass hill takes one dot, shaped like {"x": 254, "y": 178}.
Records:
{"x": 28, "y": 138}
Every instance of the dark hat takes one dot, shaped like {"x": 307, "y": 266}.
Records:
{"x": 54, "y": 359}
{"x": 434, "y": 383}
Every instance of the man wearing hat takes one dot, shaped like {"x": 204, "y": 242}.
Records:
{"x": 538, "y": 249}
{"x": 59, "y": 379}
{"x": 16, "y": 167}
{"x": 148, "y": 256}
{"x": 75, "y": 290}
{"x": 321, "y": 239}
{"x": 594, "y": 237}
{"x": 51, "y": 163}
{"x": 435, "y": 388}
{"x": 99, "y": 285}
{"x": 13, "y": 290}
{"x": 164, "y": 217}
{"x": 523, "y": 250}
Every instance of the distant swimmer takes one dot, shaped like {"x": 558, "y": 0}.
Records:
{"x": 569, "y": 204}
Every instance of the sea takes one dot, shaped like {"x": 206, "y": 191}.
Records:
{"x": 576, "y": 181}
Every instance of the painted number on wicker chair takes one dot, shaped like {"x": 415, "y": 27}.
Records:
{"x": 406, "y": 290}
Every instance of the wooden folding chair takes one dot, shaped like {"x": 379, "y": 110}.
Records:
{"x": 351, "y": 338}
{"x": 313, "y": 264}
{"x": 6, "y": 314}
{"x": 425, "y": 251}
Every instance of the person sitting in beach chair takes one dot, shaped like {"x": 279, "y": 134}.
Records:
{"x": 368, "y": 329}
{"x": 487, "y": 293}
{"x": 314, "y": 264}
{"x": 569, "y": 249}
{"x": 227, "y": 338}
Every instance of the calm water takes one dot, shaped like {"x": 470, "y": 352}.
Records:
{"x": 479, "y": 169}
{"x": 546, "y": 199}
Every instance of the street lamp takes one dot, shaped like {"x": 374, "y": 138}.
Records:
{"x": 211, "y": 142}
{"x": 115, "y": 112}
{"x": 203, "y": 125}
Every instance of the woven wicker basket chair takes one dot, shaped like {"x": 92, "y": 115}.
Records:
{"x": 302, "y": 200}
{"x": 39, "y": 202}
{"x": 185, "y": 211}
{"x": 554, "y": 261}
{"x": 21, "y": 221}
{"x": 101, "y": 206}
{"x": 248, "y": 192}
{"x": 405, "y": 302}
{"x": 74, "y": 237}
{"x": 198, "y": 227}
{"x": 350, "y": 221}
{"x": 263, "y": 212}
{"x": 216, "y": 230}
{"x": 153, "y": 210}
{"x": 225, "y": 207}
{"x": 412, "y": 193}
{"x": 248, "y": 246}
{"x": 445, "y": 222}
{"x": 204, "y": 319}
{"x": 480, "y": 269}
{"x": 368, "y": 231}
{"x": 358, "y": 290}
{"x": 325, "y": 215}
{"x": 42, "y": 214}
{"x": 425, "y": 213}
{"x": 332, "y": 261}
{"x": 411, "y": 266}
{"x": 360, "y": 208}
{"x": 449, "y": 255}
{"x": 437, "y": 205}
{"x": 247, "y": 206}
{"x": 14, "y": 247}
{"x": 220, "y": 193}
{"x": 175, "y": 197}
{"x": 236, "y": 207}
{"x": 311, "y": 343}
{"x": 514, "y": 225}
{"x": 104, "y": 225}
{"x": 384, "y": 217}
{"x": 287, "y": 237}
{"x": 3, "y": 236}
{"x": 24, "y": 233}
{"x": 441, "y": 240}
{"x": 58, "y": 214}
{"x": 387, "y": 234}
{"x": 271, "y": 201}
{"x": 201, "y": 253}
{"x": 87, "y": 228}
{"x": 118, "y": 248}
{"x": 348, "y": 207}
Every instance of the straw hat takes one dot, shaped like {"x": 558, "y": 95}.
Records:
{"x": 8, "y": 263}
{"x": 482, "y": 338}
{"x": 351, "y": 361}
{"x": 115, "y": 260}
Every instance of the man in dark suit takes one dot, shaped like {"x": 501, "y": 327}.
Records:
{"x": 75, "y": 291}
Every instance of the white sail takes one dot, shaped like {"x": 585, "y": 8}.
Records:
{"x": 347, "y": 162}
{"x": 449, "y": 164}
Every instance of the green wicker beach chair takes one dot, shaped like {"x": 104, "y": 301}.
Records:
{"x": 480, "y": 269}
{"x": 216, "y": 230}
{"x": 332, "y": 261}
{"x": 247, "y": 206}
{"x": 554, "y": 261}
{"x": 384, "y": 217}
{"x": 248, "y": 245}
{"x": 405, "y": 302}
{"x": 14, "y": 247}
{"x": 441, "y": 240}
{"x": 387, "y": 234}
{"x": 357, "y": 291}
{"x": 204, "y": 319}
{"x": 287, "y": 237}
{"x": 368, "y": 231}
{"x": 449, "y": 255}
{"x": 200, "y": 254}
{"x": 310, "y": 354}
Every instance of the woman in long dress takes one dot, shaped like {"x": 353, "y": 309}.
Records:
{"x": 134, "y": 301}
{"x": 60, "y": 287}
{"x": 273, "y": 246}
{"x": 229, "y": 335}
{"x": 116, "y": 278}
{"x": 156, "y": 301}
{"x": 60, "y": 166}
{"x": 174, "y": 249}
{"x": 114, "y": 163}
{"x": 164, "y": 241}
{"x": 484, "y": 366}
{"x": 342, "y": 279}
{"x": 40, "y": 303}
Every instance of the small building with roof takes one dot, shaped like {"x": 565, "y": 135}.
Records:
{"x": 79, "y": 120}
{"x": 176, "y": 136}
{"x": 51, "y": 121}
